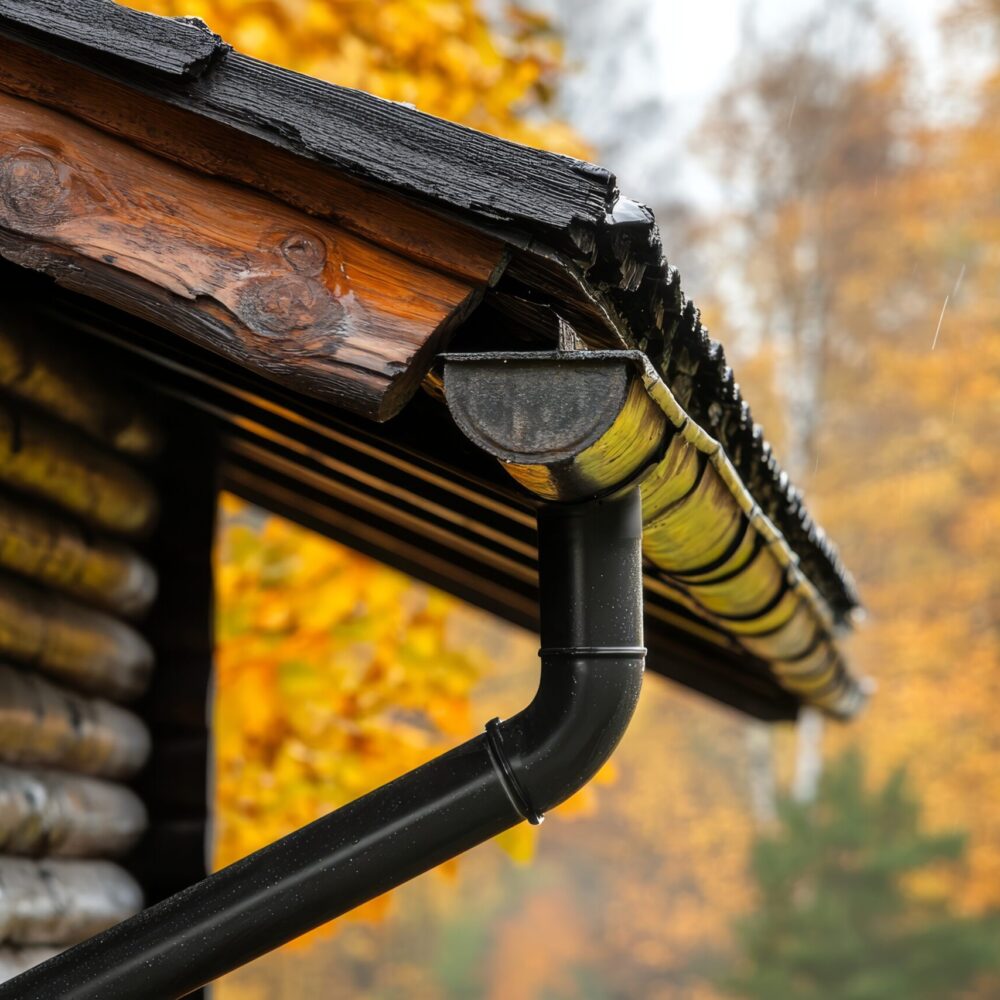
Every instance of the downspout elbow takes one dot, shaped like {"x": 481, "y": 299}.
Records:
{"x": 590, "y": 578}
{"x": 590, "y": 574}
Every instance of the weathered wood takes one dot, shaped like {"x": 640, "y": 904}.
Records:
{"x": 59, "y": 553}
{"x": 174, "y": 47}
{"x": 45, "y": 725}
{"x": 62, "y": 902}
{"x": 45, "y": 459}
{"x": 362, "y": 135}
{"x": 83, "y": 648}
{"x": 66, "y": 815}
{"x": 294, "y": 298}
{"x": 52, "y": 376}
{"x": 384, "y": 218}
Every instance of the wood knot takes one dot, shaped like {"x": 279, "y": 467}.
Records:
{"x": 305, "y": 253}
{"x": 288, "y": 303}
{"x": 34, "y": 187}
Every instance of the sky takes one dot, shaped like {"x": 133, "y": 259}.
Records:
{"x": 643, "y": 73}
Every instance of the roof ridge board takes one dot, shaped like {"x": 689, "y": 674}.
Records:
{"x": 557, "y": 196}
{"x": 447, "y": 163}
{"x": 174, "y": 47}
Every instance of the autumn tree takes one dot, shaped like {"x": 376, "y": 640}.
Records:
{"x": 835, "y": 918}
{"x": 802, "y": 138}
{"x": 888, "y": 244}
{"x": 446, "y": 57}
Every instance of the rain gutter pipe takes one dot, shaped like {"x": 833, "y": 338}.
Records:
{"x": 590, "y": 604}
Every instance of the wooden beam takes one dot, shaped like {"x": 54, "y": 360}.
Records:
{"x": 67, "y": 815}
{"x": 48, "y": 460}
{"x": 199, "y": 142}
{"x": 375, "y": 140}
{"x": 85, "y": 649}
{"x": 294, "y": 298}
{"x": 60, "y": 553}
{"x": 61, "y": 901}
{"x": 172, "y": 47}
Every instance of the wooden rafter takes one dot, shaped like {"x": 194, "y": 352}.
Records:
{"x": 300, "y": 299}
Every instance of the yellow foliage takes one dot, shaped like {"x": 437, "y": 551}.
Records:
{"x": 443, "y": 56}
{"x": 900, "y": 277}
{"x": 333, "y": 675}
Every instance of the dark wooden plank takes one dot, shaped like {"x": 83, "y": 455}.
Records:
{"x": 295, "y": 298}
{"x": 384, "y": 142}
{"x": 363, "y": 135}
{"x": 173, "y": 47}
{"x": 198, "y": 142}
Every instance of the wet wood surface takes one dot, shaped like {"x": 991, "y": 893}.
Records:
{"x": 297, "y": 299}
{"x": 58, "y": 901}
{"x": 172, "y": 47}
{"x": 59, "y": 553}
{"x": 47, "y": 460}
{"x": 67, "y": 815}
{"x": 85, "y": 649}
{"x": 140, "y": 118}
{"x": 43, "y": 724}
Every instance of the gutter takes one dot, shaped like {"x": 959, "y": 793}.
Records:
{"x": 590, "y": 571}
{"x": 600, "y": 423}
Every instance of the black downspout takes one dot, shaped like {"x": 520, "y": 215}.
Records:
{"x": 590, "y": 579}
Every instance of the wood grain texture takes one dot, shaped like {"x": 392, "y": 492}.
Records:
{"x": 364, "y": 135}
{"x": 174, "y": 47}
{"x": 294, "y": 298}
{"x": 387, "y": 219}
{"x": 385, "y": 142}
{"x": 46, "y": 812}
{"x": 60, "y": 901}
{"x": 60, "y": 553}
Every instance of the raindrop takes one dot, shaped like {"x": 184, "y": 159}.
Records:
{"x": 940, "y": 319}
{"x": 958, "y": 281}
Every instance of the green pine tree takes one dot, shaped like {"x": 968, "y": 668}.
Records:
{"x": 834, "y": 920}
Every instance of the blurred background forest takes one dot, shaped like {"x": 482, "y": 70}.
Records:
{"x": 828, "y": 181}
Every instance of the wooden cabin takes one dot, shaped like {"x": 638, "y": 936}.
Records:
{"x": 404, "y": 334}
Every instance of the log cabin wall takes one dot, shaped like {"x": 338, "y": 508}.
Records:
{"x": 106, "y": 521}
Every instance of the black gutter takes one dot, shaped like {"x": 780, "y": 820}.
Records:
{"x": 592, "y": 661}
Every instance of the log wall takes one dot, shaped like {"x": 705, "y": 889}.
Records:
{"x": 78, "y": 460}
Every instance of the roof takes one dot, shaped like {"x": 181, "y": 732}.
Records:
{"x": 489, "y": 245}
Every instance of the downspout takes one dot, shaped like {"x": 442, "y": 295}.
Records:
{"x": 590, "y": 583}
